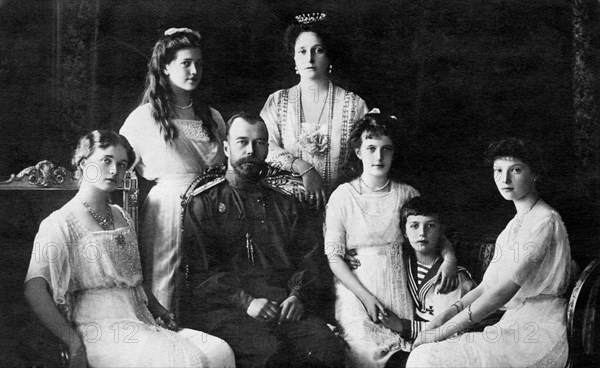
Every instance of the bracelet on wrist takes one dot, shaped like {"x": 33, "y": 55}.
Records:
{"x": 305, "y": 171}
{"x": 292, "y": 164}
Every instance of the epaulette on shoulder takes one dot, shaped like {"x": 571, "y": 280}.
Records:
{"x": 282, "y": 181}
{"x": 211, "y": 177}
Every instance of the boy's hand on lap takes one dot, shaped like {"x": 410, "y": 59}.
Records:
{"x": 391, "y": 321}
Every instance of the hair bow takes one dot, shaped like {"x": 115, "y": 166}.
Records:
{"x": 172, "y": 31}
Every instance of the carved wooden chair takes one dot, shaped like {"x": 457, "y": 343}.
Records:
{"x": 583, "y": 318}
{"x": 47, "y": 176}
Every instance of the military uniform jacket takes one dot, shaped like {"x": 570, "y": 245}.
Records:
{"x": 245, "y": 243}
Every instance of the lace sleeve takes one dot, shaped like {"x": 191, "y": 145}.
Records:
{"x": 50, "y": 257}
{"x": 335, "y": 227}
{"x": 543, "y": 259}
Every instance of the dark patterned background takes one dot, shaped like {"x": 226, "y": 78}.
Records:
{"x": 459, "y": 72}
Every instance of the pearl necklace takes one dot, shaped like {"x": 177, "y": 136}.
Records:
{"x": 182, "y": 107}
{"x": 325, "y": 171}
{"x": 520, "y": 217}
{"x": 374, "y": 189}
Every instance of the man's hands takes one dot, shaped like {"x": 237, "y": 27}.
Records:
{"x": 263, "y": 309}
{"x": 266, "y": 310}
{"x": 292, "y": 309}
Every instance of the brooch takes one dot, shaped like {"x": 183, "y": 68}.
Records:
{"x": 222, "y": 207}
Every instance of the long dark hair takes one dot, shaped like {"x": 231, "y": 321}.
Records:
{"x": 157, "y": 87}
{"x": 376, "y": 125}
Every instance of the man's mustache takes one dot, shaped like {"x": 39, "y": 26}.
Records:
{"x": 250, "y": 160}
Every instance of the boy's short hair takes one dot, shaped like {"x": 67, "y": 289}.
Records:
{"x": 419, "y": 206}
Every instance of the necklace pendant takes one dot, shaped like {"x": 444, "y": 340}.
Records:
{"x": 105, "y": 222}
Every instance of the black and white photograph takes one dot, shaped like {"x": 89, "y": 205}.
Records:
{"x": 287, "y": 183}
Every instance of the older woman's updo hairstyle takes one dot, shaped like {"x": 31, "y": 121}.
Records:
{"x": 319, "y": 24}
{"x": 516, "y": 148}
{"x": 100, "y": 139}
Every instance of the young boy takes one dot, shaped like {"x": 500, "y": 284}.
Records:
{"x": 422, "y": 228}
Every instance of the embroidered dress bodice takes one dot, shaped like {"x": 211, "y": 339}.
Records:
{"x": 97, "y": 284}
{"x": 323, "y": 145}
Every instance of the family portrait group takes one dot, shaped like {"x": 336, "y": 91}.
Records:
{"x": 320, "y": 184}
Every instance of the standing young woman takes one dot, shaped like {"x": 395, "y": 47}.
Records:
{"x": 176, "y": 136}
{"x": 528, "y": 277}
{"x": 85, "y": 282}
{"x": 309, "y": 124}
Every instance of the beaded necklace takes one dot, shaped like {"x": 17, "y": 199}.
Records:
{"x": 374, "y": 189}
{"x": 182, "y": 107}
{"x": 105, "y": 222}
{"x": 520, "y": 217}
{"x": 325, "y": 173}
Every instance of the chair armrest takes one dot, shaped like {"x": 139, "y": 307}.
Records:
{"x": 583, "y": 323}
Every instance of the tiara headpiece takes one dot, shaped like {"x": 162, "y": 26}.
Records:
{"x": 309, "y": 18}
{"x": 172, "y": 31}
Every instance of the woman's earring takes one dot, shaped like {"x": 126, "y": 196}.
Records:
{"x": 296, "y": 69}
{"x": 330, "y": 68}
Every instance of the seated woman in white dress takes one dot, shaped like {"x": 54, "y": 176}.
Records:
{"x": 85, "y": 282}
{"x": 364, "y": 215}
{"x": 528, "y": 276}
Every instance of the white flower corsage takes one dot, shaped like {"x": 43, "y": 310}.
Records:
{"x": 314, "y": 142}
